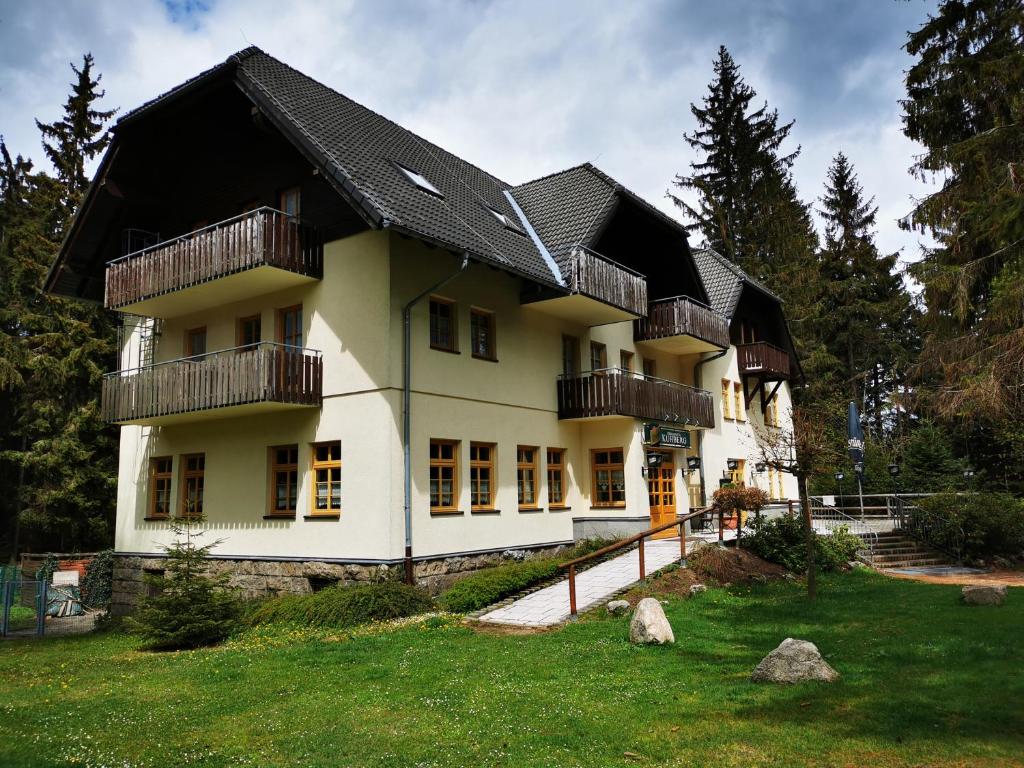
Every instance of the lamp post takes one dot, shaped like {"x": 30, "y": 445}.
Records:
{"x": 894, "y": 473}
{"x": 839, "y": 479}
{"x": 969, "y": 478}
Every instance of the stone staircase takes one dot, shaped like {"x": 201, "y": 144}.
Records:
{"x": 895, "y": 549}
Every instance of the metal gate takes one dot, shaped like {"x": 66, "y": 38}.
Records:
{"x": 22, "y": 605}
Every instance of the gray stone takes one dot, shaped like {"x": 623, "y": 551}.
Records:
{"x": 696, "y": 589}
{"x": 984, "y": 594}
{"x": 649, "y": 625}
{"x": 618, "y": 607}
{"x": 514, "y": 554}
{"x": 794, "y": 661}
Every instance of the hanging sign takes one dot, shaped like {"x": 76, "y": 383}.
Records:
{"x": 666, "y": 437}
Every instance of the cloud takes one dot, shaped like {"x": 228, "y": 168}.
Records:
{"x": 520, "y": 88}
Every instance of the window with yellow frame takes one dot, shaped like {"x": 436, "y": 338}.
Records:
{"x": 327, "y": 478}
{"x": 738, "y": 401}
{"x": 726, "y": 399}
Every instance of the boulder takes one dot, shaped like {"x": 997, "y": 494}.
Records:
{"x": 794, "y": 661}
{"x": 984, "y": 594}
{"x": 696, "y": 589}
{"x": 649, "y": 625}
{"x": 618, "y": 607}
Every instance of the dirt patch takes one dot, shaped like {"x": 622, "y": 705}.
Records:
{"x": 732, "y": 566}
{"x": 486, "y": 628}
{"x": 1011, "y": 578}
{"x": 674, "y": 583}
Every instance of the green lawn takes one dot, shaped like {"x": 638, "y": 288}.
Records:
{"x": 926, "y": 682}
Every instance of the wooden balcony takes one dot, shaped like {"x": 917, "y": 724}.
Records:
{"x": 682, "y": 326}
{"x": 763, "y": 360}
{"x": 614, "y": 392}
{"x": 258, "y": 252}
{"x": 600, "y": 291}
{"x": 244, "y": 380}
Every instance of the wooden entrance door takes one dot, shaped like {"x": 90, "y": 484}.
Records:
{"x": 661, "y": 492}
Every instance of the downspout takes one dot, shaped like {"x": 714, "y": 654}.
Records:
{"x": 407, "y": 407}
{"x": 700, "y": 432}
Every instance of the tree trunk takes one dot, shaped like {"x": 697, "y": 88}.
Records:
{"x": 805, "y": 509}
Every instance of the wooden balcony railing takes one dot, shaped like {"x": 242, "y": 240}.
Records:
{"x": 762, "y": 358}
{"x": 682, "y": 316}
{"x": 591, "y": 274}
{"x": 265, "y": 372}
{"x": 615, "y": 392}
{"x": 263, "y": 237}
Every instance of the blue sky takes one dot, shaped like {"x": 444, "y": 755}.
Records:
{"x": 520, "y": 87}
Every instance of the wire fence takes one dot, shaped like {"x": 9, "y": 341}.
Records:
{"x": 31, "y": 606}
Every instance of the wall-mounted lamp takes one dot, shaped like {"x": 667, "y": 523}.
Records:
{"x": 653, "y": 461}
{"x": 732, "y": 464}
{"x": 693, "y": 463}
{"x": 760, "y": 466}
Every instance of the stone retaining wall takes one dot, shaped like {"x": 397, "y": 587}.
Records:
{"x": 265, "y": 578}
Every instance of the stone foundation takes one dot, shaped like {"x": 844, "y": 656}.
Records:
{"x": 266, "y": 578}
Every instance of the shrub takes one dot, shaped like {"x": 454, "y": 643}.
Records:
{"x": 340, "y": 606}
{"x": 972, "y": 525}
{"x": 99, "y": 579}
{"x": 186, "y": 608}
{"x": 782, "y": 540}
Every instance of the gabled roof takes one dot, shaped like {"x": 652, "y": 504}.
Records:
{"x": 724, "y": 281}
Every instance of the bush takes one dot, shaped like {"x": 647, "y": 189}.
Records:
{"x": 782, "y": 540}
{"x": 972, "y": 525}
{"x": 186, "y": 608}
{"x": 341, "y": 606}
{"x": 99, "y": 580}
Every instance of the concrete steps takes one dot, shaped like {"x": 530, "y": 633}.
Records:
{"x": 896, "y": 550}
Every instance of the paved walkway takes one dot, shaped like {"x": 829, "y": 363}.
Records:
{"x": 550, "y": 605}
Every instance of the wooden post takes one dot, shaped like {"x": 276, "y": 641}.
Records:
{"x": 572, "y": 590}
{"x": 682, "y": 540}
{"x": 721, "y": 526}
{"x": 641, "y": 552}
{"x": 789, "y": 503}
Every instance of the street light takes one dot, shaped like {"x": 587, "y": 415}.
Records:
{"x": 969, "y": 477}
{"x": 894, "y": 473}
{"x": 839, "y": 479}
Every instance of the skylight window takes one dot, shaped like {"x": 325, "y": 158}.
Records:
{"x": 419, "y": 180}
{"x": 507, "y": 221}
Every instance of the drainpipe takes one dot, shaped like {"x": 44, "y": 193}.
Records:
{"x": 407, "y": 407}
{"x": 700, "y": 432}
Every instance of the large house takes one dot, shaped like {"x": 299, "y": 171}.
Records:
{"x": 347, "y": 348}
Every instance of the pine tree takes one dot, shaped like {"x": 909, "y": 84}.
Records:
{"x": 964, "y": 105}
{"x": 864, "y": 317}
{"x": 742, "y": 174}
{"x": 76, "y": 138}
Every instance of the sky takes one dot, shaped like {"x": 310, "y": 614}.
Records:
{"x": 521, "y": 88}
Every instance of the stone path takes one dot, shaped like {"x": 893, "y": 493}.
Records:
{"x": 550, "y": 605}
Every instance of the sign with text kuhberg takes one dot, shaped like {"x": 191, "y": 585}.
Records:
{"x": 666, "y": 437}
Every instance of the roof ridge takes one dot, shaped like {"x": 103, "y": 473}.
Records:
{"x": 552, "y": 175}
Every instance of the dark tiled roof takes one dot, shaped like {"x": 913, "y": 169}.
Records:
{"x": 724, "y": 281}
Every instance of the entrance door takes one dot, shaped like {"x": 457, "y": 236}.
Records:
{"x": 661, "y": 492}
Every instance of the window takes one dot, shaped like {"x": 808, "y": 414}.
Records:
{"x": 442, "y": 324}
{"x": 160, "y": 479}
{"x": 609, "y": 477}
{"x": 193, "y": 479}
{"x": 526, "y": 476}
{"x": 444, "y": 475}
{"x": 327, "y": 478}
{"x": 481, "y": 476}
{"x": 249, "y": 331}
{"x": 556, "y": 478}
{"x": 739, "y": 406}
{"x": 289, "y": 326}
{"x": 506, "y": 221}
{"x": 289, "y": 201}
{"x": 195, "y": 342}
{"x": 771, "y": 413}
{"x": 650, "y": 367}
{"x": 695, "y": 491}
{"x": 284, "y": 479}
{"x": 779, "y": 491}
{"x": 626, "y": 361}
{"x": 598, "y": 356}
{"x": 726, "y": 399}
{"x": 570, "y": 356}
{"x": 419, "y": 180}
{"x": 481, "y": 332}
{"x": 736, "y": 475}
{"x": 774, "y": 483}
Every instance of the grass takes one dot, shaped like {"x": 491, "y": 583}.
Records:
{"x": 926, "y": 682}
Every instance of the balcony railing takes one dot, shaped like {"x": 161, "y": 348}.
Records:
{"x": 263, "y": 237}
{"x": 682, "y": 316}
{"x": 764, "y": 359}
{"x": 259, "y": 373}
{"x": 591, "y": 274}
{"x": 615, "y": 392}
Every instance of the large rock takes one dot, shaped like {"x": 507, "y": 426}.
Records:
{"x": 618, "y": 607}
{"x": 649, "y": 625}
{"x": 984, "y": 594}
{"x": 794, "y": 661}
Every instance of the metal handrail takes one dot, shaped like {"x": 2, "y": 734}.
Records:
{"x": 193, "y": 233}
{"x": 214, "y": 353}
{"x": 633, "y": 375}
{"x": 858, "y": 527}
{"x": 638, "y": 538}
